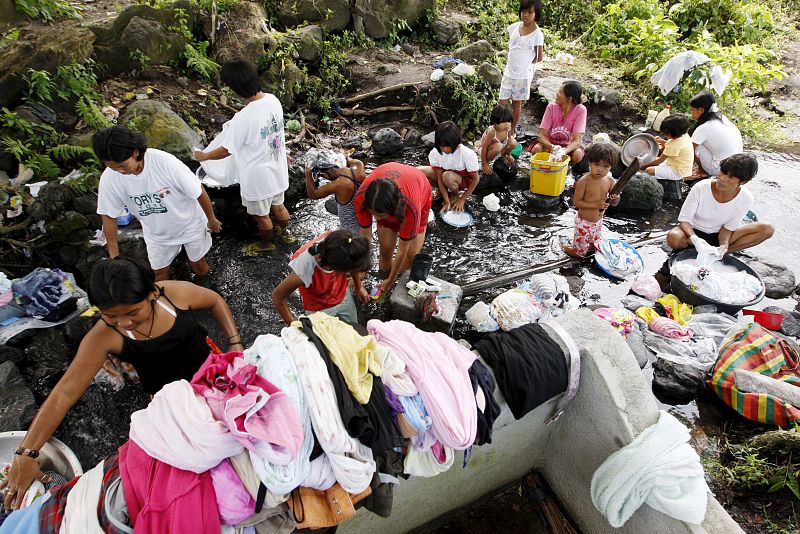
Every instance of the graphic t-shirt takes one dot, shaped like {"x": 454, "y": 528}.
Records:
{"x": 163, "y": 198}
{"x": 415, "y": 190}
{"x": 680, "y": 155}
{"x": 561, "y": 126}
{"x": 704, "y": 213}
{"x": 463, "y": 160}
{"x": 259, "y": 147}
{"x": 321, "y": 289}
{"x": 521, "y": 51}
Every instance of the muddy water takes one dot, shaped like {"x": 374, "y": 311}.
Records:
{"x": 515, "y": 237}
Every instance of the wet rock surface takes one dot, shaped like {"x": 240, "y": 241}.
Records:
{"x": 643, "y": 194}
{"x": 17, "y": 406}
{"x": 676, "y": 382}
{"x": 779, "y": 281}
{"x": 387, "y": 142}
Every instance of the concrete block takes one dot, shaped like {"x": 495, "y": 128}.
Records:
{"x": 672, "y": 189}
{"x": 449, "y": 298}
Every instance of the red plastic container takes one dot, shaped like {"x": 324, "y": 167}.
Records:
{"x": 771, "y": 321}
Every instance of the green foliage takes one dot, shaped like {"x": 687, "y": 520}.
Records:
{"x": 30, "y": 143}
{"x": 87, "y": 110}
{"x": 474, "y": 99}
{"x": 492, "y": 18}
{"x": 220, "y": 5}
{"x": 47, "y": 10}
{"x": 134, "y": 122}
{"x": 729, "y": 21}
{"x": 141, "y": 59}
{"x": 86, "y": 179}
{"x": 40, "y": 86}
{"x": 9, "y": 37}
{"x": 76, "y": 79}
{"x": 396, "y": 28}
{"x": 198, "y": 61}
{"x": 571, "y": 22}
{"x": 181, "y": 26}
{"x": 70, "y": 152}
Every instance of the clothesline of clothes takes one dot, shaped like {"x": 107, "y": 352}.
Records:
{"x": 301, "y": 427}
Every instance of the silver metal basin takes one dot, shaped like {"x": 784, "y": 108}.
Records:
{"x": 54, "y": 456}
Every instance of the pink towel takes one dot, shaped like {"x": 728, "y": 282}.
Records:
{"x": 669, "y": 328}
{"x": 260, "y": 416}
{"x": 234, "y": 501}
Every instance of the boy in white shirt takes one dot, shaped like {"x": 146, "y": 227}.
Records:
{"x": 257, "y": 143}
{"x": 161, "y": 192}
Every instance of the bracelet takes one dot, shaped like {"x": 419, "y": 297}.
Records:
{"x": 22, "y": 451}
{"x": 233, "y": 336}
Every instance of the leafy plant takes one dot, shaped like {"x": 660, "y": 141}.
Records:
{"x": 9, "y": 37}
{"x": 181, "y": 26}
{"x": 70, "y": 152}
{"x": 475, "y": 99}
{"x": 28, "y": 142}
{"x": 40, "y": 86}
{"x": 139, "y": 58}
{"x": 220, "y": 5}
{"x": 492, "y": 21}
{"x": 85, "y": 179}
{"x": 76, "y": 79}
{"x": 729, "y": 21}
{"x": 198, "y": 60}
{"x": 47, "y": 10}
{"x": 88, "y": 112}
{"x": 396, "y": 27}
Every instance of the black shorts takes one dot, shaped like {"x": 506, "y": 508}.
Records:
{"x": 711, "y": 239}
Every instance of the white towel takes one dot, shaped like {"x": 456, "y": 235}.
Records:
{"x": 80, "y": 514}
{"x": 659, "y": 468}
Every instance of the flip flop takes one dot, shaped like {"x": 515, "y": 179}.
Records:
{"x": 254, "y": 249}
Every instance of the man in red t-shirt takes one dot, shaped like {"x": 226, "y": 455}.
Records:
{"x": 399, "y": 197}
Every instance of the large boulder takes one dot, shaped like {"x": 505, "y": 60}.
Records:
{"x": 491, "y": 73}
{"x": 642, "y": 194}
{"x": 17, "y": 405}
{"x": 779, "y": 281}
{"x": 475, "y": 53}
{"x": 69, "y": 226}
{"x": 334, "y": 15}
{"x": 309, "y": 40}
{"x": 387, "y": 142}
{"x": 791, "y": 320}
{"x": 164, "y": 128}
{"x": 45, "y": 48}
{"x": 55, "y": 198}
{"x": 142, "y": 28}
{"x": 446, "y": 31}
{"x": 378, "y": 16}
{"x": 284, "y": 79}
{"x": 244, "y": 33}
{"x": 677, "y": 382}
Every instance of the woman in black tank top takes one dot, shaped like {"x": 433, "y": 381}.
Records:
{"x": 150, "y": 325}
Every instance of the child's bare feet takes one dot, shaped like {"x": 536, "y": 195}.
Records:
{"x": 571, "y": 250}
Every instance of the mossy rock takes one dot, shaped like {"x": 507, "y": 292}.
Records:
{"x": 164, "y": 128}
{"x": 243, "y": 33}
{"x": 334, "y": 15}
{"x": 380, "y": 16}
{"x": 643, "y": 194}
{"x": 284, "y": 81}
{"x": 70, "y": 226}
{"x": 54, "y": 198}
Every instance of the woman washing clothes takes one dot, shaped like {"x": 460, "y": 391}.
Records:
{"x": 714, "y": 210}
{"x": 143, "y": 322}
{"x": 714, "y": 137}
{"x": 343, "y": 175}
{"x": 319, "y": 269}
{"x": 564, "y": 123}
{"x": 399, "y": 197}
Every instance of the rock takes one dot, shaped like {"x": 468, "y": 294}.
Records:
{"x": 635, "y": 341}
{"x": 541, "y": 202}
{"x": 672, "y": 189}
{"x": 353, "y": 142}
{"x": 283, "y": 79}
{"x": 429, "y": 139}
{"x": 245, "y": 33}
{"x": 409, "y": 49}
{"x": 9, "y": 13}
{"x": 164, "y": 128}
{"x": 412, "y": 139}
{"x": 403, "y": 305}
{"x": 791, "y": 320}
{"x": 676, "y": 382}
{"x": 387, "y": 142}
{"x": 446, "y": 31}
{"x": 334, "y": 15}
{"x": 70, "y": 226}
{"x": 310, "y": 42}
{"x": 489, "y": 181}
{"x": 86, "y": 204}
{"x": 46, "y": 48}
{"x": 183, "y": 81}
{"x": 548, "y": 86}
{"x": 642, "y": 194}
{"x": 143, "y": 28}
{"x": 11, "y": 354}
{"x": 17, "y": 405}
{"x": 779, "y": 281}
{"x": 297, "y": 183}
{"x": 476, "y": 52}
{"x": 383, "y": 70}
{"x": 55, "y": 198}
{"x": 378, "y": 17}
{"x": 491, "y": 73}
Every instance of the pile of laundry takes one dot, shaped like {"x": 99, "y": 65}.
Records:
{"x": 718, "y": 282}
{"x": 292, "y": 433}
{"x": 47, "y": 294}
{"x": 541, "y": 298}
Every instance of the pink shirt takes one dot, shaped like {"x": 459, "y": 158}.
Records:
{"x": 561, "y": 127}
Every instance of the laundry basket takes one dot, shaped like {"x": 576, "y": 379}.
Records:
{"x": 548, "y": 177}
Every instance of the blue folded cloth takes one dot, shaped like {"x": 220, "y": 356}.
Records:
{"x": 40, "y": 291}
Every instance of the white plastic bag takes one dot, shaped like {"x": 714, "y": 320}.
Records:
{"x": 647, "y": 286}
{"x": 491, "y": 202}
{"x": 436, "y": 75}
{"x": 480, "y": 318}
{"x": 462, "y": 69}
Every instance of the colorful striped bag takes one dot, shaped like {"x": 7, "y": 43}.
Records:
{"x": 753, "y": 348}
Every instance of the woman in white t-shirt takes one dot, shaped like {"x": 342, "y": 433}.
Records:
{"x": 714, "y": 137}
{"x": 256, "y": 141}
{"x": 453, "y": 167}
{"x": 161, "y": 192}
{"x": 715, "y": 209}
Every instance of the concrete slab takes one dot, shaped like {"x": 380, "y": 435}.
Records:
{"x": 449, "y": 299}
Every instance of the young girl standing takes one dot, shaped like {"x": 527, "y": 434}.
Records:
{"x": 525, "y": 49}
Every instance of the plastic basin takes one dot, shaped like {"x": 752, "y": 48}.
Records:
{"x": 769, "y": 320}
{"x": 54, "y": 456}
{"x": 687, "y": 296}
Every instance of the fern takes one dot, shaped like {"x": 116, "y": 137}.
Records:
{"x": 89, "y": 114}
{"x": 70, "y": 152}
{"x": 42, "y": 165}
{"x": 76, "y": 79}
{"x": 40, "y": 85}
{"x": 47, "y": 10}
{"x": 10, "y": 120}
{"x": 199, "y": 62}
{"x": 15, "y": 147}
{"x": 85, "y": 180}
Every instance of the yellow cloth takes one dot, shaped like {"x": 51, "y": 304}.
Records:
{"x": 680, "y": 312}
{"x": 647, "y": 313}
{"x": 680, "y": 155}
{"x": 355, "y": 355}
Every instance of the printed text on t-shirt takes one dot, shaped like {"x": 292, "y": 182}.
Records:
{"x": 150, "y": 203}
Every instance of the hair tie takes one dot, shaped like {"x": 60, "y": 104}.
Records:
{"x": 349, "y": 239}
{"x": 714, "y": 108}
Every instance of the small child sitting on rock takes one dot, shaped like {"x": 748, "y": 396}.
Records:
{"x": 453, "y": 167}
{"x": 592, "y": 198}
{"x": 497, "y": 139}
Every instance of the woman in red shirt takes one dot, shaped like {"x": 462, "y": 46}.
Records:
{"x": 399, "y": 197}
{"x": 319, "y": 269}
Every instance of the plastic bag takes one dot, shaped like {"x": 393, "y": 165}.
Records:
{"x": 462, "y": 69}
{"x": 437, "y": 75}
{"x": 480, "y": 318}
{"x": 647, "y": 286}
{"x": 491, "y": 202}
{"x": 679, "y": 312}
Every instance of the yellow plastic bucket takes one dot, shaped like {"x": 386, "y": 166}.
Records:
{"x": 548, "y": 177}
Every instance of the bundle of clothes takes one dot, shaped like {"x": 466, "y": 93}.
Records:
{"x": 717, "y": 281}
{"x": 540, "y": 298}
{"x": 48, "y": 294}
{"x": 302, "y": 427}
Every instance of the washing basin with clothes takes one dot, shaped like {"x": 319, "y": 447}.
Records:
{"x": 54, "y": 456}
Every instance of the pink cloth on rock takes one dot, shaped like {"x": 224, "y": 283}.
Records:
{"x": 260, "y": 416}
{"x": 439, "y": 366}
{"x": 233, "y": 500}
{"x": 669, "y": 328}
{"x": 161, "y": 498}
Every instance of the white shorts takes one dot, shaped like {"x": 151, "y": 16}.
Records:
{"x": 515, "y": 89}
{"x": 161, "y": 256}
{"x": 261, "y": 208}
{"x": 709, "y": 163}
{"x": 665, "y": 172}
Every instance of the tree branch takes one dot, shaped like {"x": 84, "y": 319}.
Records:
{"x": 378, "y": 92}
